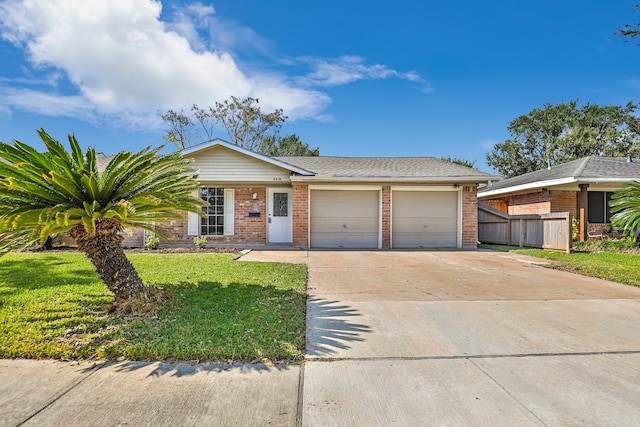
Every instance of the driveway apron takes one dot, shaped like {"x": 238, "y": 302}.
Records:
{"x": 466, "y": 338}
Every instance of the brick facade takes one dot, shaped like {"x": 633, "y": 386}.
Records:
{"x": 253, "y": 230}
{"x": 539, "y": 202}
{"x": 564, "y": 201}
{"x": 247, "y": 229}
{"x": 301, "y": 215}
{"x": 386, "y": 217}
{"x": 469, "y": 217}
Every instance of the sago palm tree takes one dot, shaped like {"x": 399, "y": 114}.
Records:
{"x": 625, "y": 204}
{"x": 45, "y": 194}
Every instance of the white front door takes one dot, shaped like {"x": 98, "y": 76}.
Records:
{"x": 279, "y": 221}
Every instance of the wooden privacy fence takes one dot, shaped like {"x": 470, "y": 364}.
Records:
{"x": 547, "y": 231}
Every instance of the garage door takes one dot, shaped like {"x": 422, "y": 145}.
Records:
{"x": 424, "y": 219}
{"x": 344, "y": 219}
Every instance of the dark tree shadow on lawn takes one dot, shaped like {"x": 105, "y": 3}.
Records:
{"x": 327, "y": 330}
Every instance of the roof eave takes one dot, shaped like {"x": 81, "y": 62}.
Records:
{"x": 550, "y": 183}
{"x": 527, "y": 186}
{"x": 390, "y": 179}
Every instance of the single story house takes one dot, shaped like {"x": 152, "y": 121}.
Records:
{"x": 330, "y": 202}
{"x": 582, "y": 187}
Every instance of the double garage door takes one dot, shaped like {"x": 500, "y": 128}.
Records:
{"x": 351, "y": 219}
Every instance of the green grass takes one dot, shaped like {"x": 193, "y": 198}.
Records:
{"x": 617, "y": 267}
{"x": 52, "y": 305}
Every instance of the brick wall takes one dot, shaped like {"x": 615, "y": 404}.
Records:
{"x": 499, "y": 204}
{"x": 386, "y": 217}
{"x": 564, "y": 201}
{"x": 469, "y": 217}
{"x": 247, "y": 230}
{"x": 530, "y": 203}
{"x": 301, "y": 215}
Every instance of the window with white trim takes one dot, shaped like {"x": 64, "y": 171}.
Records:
{"x": 212, "y": 224}
{"x": 219, "y": 216}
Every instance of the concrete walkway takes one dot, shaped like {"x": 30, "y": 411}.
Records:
{"x": 394, "y": 338}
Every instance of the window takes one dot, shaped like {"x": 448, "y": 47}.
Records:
{"x": 219, "y": 213}
{"x": 213, "y": 223}
{"x": 280, "y": 204}
{"x": 599, "y": 211}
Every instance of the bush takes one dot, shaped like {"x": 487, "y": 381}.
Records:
{"x": 152, "y": 242}
{"x": 200, "y": 242}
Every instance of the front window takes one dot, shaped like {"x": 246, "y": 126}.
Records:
{"x": 599, "y": 210}
{"x": 213, "y": 223}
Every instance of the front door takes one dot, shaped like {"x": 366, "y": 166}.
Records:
{"x": 279, "y": 222}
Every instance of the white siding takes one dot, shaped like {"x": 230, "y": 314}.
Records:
{"x": 220, "y": 164}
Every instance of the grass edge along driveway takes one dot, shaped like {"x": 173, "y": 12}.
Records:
{"x": 53, "y": 305}
{"x": 617, "y": 267}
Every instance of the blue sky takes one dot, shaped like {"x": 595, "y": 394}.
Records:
{"x": 356, "y": 78}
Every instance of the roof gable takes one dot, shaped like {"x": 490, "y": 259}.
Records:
{"x": 196, "y": 150}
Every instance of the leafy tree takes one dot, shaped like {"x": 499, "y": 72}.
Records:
{"x": 629, "y": 30}
{"x": 460, "y": 161}
{"x": 245, "y": 124}
{"x": 290, "y": 145}
{"x": 44, "y": 194}
{"x": 625, "y": 204}
{"x": 559, "y": 133}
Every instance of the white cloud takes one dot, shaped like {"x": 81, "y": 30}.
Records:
{"x": 348, "y": 69}
{"x": 45, "y": 103}
{"x": 119, "y": 60}
{"x": 124, "y": 62}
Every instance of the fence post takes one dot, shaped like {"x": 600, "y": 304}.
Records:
{"x": 522, "y": 233}
{"x": 569, "y": 230}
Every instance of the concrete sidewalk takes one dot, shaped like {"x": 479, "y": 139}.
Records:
{"x": 393, "y": 338}
{"x": 48, "y": 393}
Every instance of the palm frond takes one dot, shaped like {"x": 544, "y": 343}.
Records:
{"x": 44, "y": 194}
{"x": 625, "y": 205}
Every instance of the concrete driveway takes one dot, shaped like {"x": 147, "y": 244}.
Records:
{"x": 467, "y": 338}
{"x": 393, "y": 338}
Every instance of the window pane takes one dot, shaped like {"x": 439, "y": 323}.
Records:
{"x": 596, "y": 207}
{"x": 280, "y": 204}
{"x": 213, "y": 223}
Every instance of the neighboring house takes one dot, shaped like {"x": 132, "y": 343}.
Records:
{"x": 330, "y": 202}
{"x": 582, "y": 187}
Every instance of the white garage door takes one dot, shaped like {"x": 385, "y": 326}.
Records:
{"x": 344, "y": 218}
{"x": 424, "y": 219}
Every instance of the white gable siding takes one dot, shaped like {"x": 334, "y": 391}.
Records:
{"x": 220, "y": 164}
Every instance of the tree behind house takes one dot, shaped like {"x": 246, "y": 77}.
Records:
{"x": 563, "y": 132}
{"x": 244, "y": 124}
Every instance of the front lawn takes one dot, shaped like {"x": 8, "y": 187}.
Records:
{"x": 617, "y": 267}
{"x": 53, "y": 305}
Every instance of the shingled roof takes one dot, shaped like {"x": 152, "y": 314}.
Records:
{"x": 584, "y": 170}
{"x": 385, "y": 168}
